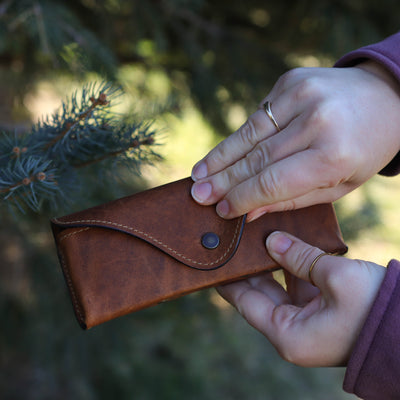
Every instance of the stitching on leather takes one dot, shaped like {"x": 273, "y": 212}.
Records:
{"x": 150, "y": 237}
{"x": 63, "y": 237}
{"x": 71, "y": 286}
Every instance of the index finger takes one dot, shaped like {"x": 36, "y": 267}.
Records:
{"x": 257, "y": 127}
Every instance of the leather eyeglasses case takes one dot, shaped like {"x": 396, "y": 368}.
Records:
{"x": 159, "y": 244}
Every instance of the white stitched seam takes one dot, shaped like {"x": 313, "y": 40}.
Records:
{"x": 151, "y": 238}
{"x": 66, "y": 236}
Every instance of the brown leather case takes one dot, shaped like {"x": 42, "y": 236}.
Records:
{"x": 143, "y": 249}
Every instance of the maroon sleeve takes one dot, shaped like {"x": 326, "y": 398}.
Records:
{"x": 373, "y": 371}
{"x": 386, "y": 53}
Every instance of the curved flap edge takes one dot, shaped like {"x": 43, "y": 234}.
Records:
{"x": 73, "y": 227}
{"x": 166, "y": 217}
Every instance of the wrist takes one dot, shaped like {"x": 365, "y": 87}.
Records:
{"x": 389, "y": 80}
{"x": 382, "y": 73}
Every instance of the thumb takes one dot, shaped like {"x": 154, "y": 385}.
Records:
{"x": 296, "y": 257}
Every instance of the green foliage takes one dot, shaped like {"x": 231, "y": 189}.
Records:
{"x": 50, "y": 34}
{"x": 40, "y": 168}
{"x": 223, "y": 52}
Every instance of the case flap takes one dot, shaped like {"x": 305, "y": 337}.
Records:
{"x": 166, "y": 217}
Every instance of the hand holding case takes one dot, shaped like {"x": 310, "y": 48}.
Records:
{"x": 140, "y": 250}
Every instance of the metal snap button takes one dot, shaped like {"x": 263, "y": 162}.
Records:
{"x": 210, "y": 240}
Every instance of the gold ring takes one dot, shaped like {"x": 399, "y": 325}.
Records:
{"x": 313, "y": 265}
{"x": 267, "y": 108}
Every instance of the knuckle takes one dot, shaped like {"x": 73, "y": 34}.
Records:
{"x": 309, "y": 87}
{"x": 335, "y": 165}
{"x": 268, "y": 185}
{"x": 320, "y": 116}
{"x": 288, "y": 205}
{"x": 326, "y": 115}
{"x": 287, "y": 353}
{"x": 220, "y": 153}
{"x": 257, "y": 159}
{"x": 289, "y": 76}
{"x": 293, "y": 354}
{"x": 303, "y": 258}
{"x": 231, "y": 176}
{"x": 339, "y": 156}
{"x": 248, "y": 132}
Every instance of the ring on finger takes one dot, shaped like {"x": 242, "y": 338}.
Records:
{"x": 314, "y": 262}
{"x": 267, "y": 108}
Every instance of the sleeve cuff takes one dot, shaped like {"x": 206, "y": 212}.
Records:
{"x": 373, "y": 371}
{"x": 386, "y": 52}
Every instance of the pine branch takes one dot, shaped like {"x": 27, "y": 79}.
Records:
{"x": 37, "y": 168}
{"x": 27, "y": 182}
{"x": 135, "y": 144}
{"x": 100, "y": 101}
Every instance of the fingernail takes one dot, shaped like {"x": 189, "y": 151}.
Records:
{"x": 255, "y": 215}
{"x": 199, "y": 171}
{"x": 223, "y": 208}
{"x": 278, "y": 243}
{"x": 201, "y": 191}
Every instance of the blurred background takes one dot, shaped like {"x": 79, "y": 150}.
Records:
{"x": 197, "y": 68}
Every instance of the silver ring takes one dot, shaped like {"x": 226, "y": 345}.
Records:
{"x": 267, "y": 108}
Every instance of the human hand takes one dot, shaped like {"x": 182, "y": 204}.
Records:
{"x": 339, "y": 127}
{"x": 309, "y": 326}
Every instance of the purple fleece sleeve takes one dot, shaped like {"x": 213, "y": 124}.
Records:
{"x": 386, "y": 53}
{"x": 373, "y": 371}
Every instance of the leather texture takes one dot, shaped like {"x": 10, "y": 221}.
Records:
{"x": 147, "y": 248}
